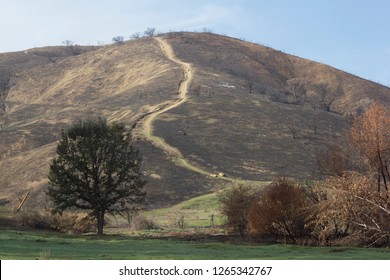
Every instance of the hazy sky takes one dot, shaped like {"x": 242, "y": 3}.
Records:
{"x": 352, "y": 35}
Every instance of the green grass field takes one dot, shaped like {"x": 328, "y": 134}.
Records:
{"x": 197, "y": 212}
{"x": 21, "y": 245}
{"x": 201, "y": 211}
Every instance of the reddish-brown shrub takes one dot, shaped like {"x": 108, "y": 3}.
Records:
{"x": 280, "y": 212}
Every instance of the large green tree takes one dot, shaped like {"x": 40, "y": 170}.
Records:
{"x": 97, "y": 169}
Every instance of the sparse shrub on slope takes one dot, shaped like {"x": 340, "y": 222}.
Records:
{"x": 118, "y": 39}
{"x": 334, "y": 161}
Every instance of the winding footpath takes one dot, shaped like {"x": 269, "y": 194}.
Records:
{"x": 146, "y": 122}
{"x": 147, "y": 126}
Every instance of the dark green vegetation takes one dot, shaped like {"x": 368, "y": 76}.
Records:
{"x": 96, "y": 169}
{"x": 42, "y": 245}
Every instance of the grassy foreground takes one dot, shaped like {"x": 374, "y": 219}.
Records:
{"x": 196, "y": 212}
{"x": 47, "y": 245}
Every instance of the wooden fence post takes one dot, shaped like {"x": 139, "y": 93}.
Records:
{"x": 23, "y": 201}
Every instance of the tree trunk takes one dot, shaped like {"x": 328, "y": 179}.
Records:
{"x": 100, "y": 221}
{"x": 381, "y": 170}
{"x": 388, "y": 176}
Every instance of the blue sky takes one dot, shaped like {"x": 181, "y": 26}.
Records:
{"x": 350, "y": 35}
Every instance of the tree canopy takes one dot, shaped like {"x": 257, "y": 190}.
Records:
{"x": 97, "y": 169}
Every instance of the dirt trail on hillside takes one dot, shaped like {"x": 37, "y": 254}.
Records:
{"x": 182, "y": 97}
{"x": 145, "y": 123}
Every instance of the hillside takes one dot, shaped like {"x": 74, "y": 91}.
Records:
{"x": 13, "y": 63}
{"x": 200, "y": 104}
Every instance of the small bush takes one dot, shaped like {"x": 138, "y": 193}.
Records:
{"x": 334, "y": 161}
{"x": 150, "y": 32}
{"x": 141, "y": 222}
{"x": 61, "y": 223}
{"x": 280, "y": 212}
{"x": 235, "y": 204}
{"x": 32, "y": 220}
{"x": 118, "y": 39}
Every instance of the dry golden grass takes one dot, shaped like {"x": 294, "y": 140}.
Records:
{"x": 120, "y": 82}
{"x": 191, "y": 102}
